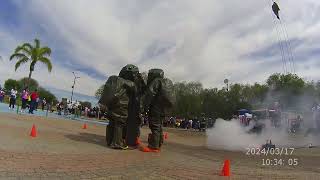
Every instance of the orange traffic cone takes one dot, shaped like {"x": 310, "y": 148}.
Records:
{"x": 84, "y": 126}
{"x": 166, "y": 135}
{"x": 33, "y": 131}
{"x": 226, "y": 169}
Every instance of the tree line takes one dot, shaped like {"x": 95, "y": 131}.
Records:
{"x": 290, "y": 90}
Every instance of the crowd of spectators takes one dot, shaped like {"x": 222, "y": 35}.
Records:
{"x": 75, "y": 108}
{"x": 30, "y": 100}
{"x": 182, "y": 123}
{"x": 193, "y": 124}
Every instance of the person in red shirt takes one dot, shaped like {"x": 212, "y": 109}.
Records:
{"x": 34, "y": 96}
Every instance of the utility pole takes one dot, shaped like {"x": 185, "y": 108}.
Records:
{"x": 74, "y": 82}
{"x": 226, "y": 81}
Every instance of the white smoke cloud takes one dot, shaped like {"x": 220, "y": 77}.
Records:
{"x": 230, "y": 135}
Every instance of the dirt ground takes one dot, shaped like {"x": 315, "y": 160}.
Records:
{"x": 63, "y": 150}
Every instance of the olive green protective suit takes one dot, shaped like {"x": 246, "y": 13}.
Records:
{"x": 158, "y": 97}
{"x": 116, "y": 98}
{"x": 131, "y": 72}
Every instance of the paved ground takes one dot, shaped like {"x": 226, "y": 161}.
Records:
{"x": 63, "y": 150}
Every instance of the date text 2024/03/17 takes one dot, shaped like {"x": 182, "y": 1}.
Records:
{"x": 269, "y": 151}
{"x": 280, "y": 162}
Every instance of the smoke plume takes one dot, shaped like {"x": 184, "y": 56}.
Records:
{"x": 230, "y": 135}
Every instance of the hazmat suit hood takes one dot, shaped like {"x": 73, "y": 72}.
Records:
{"x": 129, "y": 72}
{"x": 153, "y": 74}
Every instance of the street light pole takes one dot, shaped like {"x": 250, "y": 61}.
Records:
{"x": 226, "y": 81}
{"x": 74, "y": 82}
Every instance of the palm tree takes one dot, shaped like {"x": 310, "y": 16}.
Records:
{"x": 28, "y": 53}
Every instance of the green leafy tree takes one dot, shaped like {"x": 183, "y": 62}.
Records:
{"x": 10, "y": 84}
{"x": 286, "y": 82}
{"x": 43, "y": 93}
{"x": 27, "y": 53}
{"x": 259, "y": 93}
{"x": 33, "y": 84}
{"x": 99, "y": 92}
{"x": 286, "y": 88}
{"x": 188, "y": 99}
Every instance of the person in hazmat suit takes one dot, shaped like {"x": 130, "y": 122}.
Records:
{"x": 115, "y": 98}
{"x": 131, "y": 72}
{"x": 158, "y": 97}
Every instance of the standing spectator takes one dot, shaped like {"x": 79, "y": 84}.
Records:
{"x": 29, "y": 101}
{"x": 59, "y": 108}
{"x": 1, "y": 95}
{"x": 13, "y": 97}
{"x": 190, "y": 124}
{"x": 43, "y": 104}
{"x": 172, "y": 121}
{"x": 68, "y": 107}
{"x": 86, "y": 111}
{"x": 77, "y": 108}
{"x": 34, "y": 97}
{"x": 65, "y": 106}
{"x": 78, "y": 114}
{"x": 37, "y": 103}
{"x": 24, "y": 99}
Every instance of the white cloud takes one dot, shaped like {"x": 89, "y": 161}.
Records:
{"x": 205, "y": 40}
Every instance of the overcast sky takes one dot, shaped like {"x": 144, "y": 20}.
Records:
{"x": 192, "y": 40}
